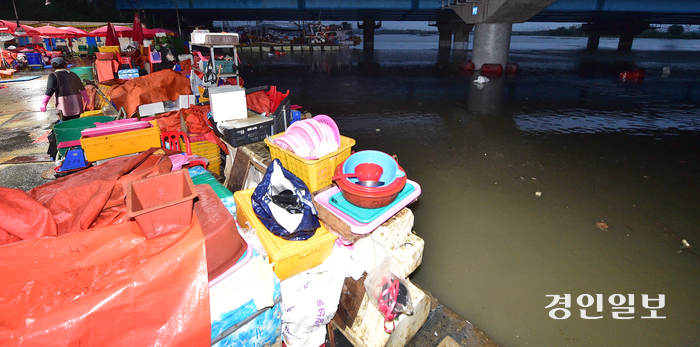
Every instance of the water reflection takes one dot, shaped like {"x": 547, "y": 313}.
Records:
{"x": 486, "y": 98}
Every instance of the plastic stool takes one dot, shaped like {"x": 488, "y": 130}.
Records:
{"x": 171, "y": 140}
{"x": 125, "y": 61}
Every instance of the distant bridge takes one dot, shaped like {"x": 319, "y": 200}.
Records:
{"x": 580, "y": 11}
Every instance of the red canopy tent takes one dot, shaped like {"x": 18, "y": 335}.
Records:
{"x": 161, "y": 30}
{"x": 121, "y": 31}
{"x": 10, "y": 27}
{"x": 77, "y": 32}
{"x": 54, "y": 32}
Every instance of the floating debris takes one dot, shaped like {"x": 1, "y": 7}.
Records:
{"x": 538, "y": 194}
{"x": 602, "y": 225}
{"x": 685, "y": 245}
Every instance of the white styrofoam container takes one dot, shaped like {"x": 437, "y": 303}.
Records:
{"x": 221, "y": 39}
{"x": 368, "y": 327}
{"x": 148, "y": 110}
{"x": 392, "y": 232}
{"x": 185, "y": 101}
{"x": 408, "y": 253}
{"x": 197, "y": 36}
{"x": 228, "y": 103}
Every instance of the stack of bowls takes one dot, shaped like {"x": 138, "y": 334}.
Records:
{"x": 311, "y": 138}
{"x": 393, "y": 177}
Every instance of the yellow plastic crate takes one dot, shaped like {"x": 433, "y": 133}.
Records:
{"x": 203, "y": 145}
{"x": 114, "y": 145}
{"x": 289, "y": 257}
{"x": 91, "y": 113}
{"x": 317, "y": 173}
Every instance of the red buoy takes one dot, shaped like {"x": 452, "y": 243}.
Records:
{"x": 512, "y": 68}
{"x": 635, "y": 75}
{"x": 492, "y": 70}
{"x": 467, "y": 66}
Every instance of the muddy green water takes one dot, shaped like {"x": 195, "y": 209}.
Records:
{"x": 516, "y": 175}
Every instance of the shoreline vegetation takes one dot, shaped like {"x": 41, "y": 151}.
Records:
{"x": 670, "y": 32}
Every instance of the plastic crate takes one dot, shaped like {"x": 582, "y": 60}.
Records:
{"x": 114, "y": 145}
{"x": 241, "y": 132}
{"x": 226, "y": 66}
{"x": 317, "y": 173}
{"x": 289, "y": 257}
{"x": 161, "y": 204}
{"x": 282, "y": 117}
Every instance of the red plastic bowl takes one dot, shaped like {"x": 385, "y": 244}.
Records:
{"x": 398, "y": 183}
{"x": 369, "y": 197}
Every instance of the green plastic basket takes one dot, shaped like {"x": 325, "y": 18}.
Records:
{"x": 70, "y": 129}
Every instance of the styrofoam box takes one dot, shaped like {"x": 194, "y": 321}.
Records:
{"x": 408, "y": 254}
{"x": 151, "y": 109}
{"x": 368, "y": 328}
{"x": 185, "y": 101}
{"x": 395, "y": 230}
{"x": 232, "y": 301}
{"x": 198, "y": 36}
{"x": 228, "y": 103}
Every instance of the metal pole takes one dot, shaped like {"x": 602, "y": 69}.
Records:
{"x": 16, "y": 16}
{"x": 177, "y": 13}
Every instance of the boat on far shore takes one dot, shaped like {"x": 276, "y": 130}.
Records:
{"x": 297, "y": 34}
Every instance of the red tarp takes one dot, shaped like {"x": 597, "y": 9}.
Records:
{"x": 106, "y": 287}
{"x": 22, "y": 217}
{"x": 77, "y": 201}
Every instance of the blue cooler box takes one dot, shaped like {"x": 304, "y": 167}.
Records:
{"x": 127, "y": 74}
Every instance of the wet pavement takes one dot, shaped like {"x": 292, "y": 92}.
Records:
{"x": 23, "y": 131}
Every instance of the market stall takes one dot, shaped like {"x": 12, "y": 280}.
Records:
{"x": 178, "y": 198}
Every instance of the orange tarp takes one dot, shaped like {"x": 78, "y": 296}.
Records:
{"x": 164, "y": 85}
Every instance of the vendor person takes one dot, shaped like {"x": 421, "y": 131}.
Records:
{"x": 68, "y": 89}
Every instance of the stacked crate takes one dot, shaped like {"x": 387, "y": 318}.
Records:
{"x": 208, "y": 150}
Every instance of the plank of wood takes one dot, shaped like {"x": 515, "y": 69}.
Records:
{"x": 350, "y": 301}
{"x": 238, "y": 172}
{"x": 41, "y": 158}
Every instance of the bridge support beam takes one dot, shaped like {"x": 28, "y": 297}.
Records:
{"x": 593, "y": 41}
{"x": 462, "y": 31}
{"x": 368, "y": 26}
{"x": 445, "y": 38}
{"x": 491, "y": 44}
{"x": 626, "y": 30}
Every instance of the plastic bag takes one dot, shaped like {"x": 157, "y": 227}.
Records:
{"x": 283, "y": 203}
{"x": 106, "y": 287}
{"x": 388, "y": 291}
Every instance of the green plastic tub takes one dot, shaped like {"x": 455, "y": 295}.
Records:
{"x": 84, "y": 72}
{"x": 70, "y": 129}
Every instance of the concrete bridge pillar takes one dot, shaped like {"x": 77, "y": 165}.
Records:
{"x": 368, "y": 26}
{"x": 625, "y": 43}
{"x": 491, "y": 44}
{"x": 626, "y": 30}
{"x": 462, "y": 31}
{"x": 445, "y": 38}
{"x": 593, "y": 41}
